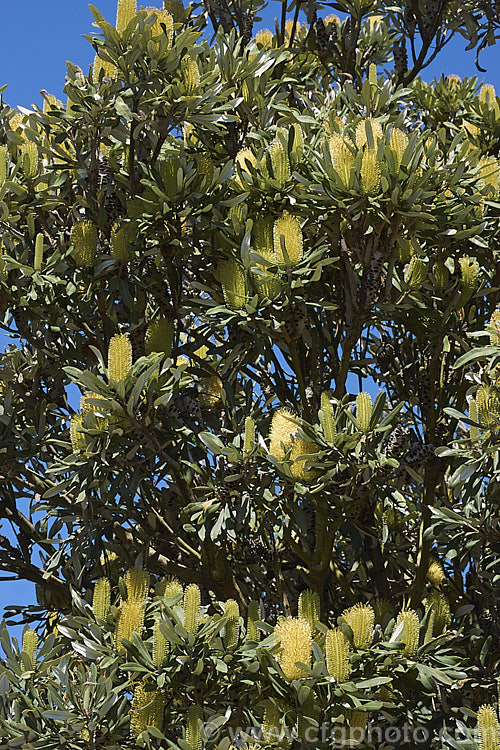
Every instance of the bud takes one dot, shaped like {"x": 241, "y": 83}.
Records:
{"x": 231, "y": 610}
{"x": 119, "y": 357}
{"x": 363, "y": 411}
{"x": 489, "y": 173}
{"x": 337, "y": 655}
{"x": 253, "y": 634}
{"x": 176, "y": 9}
{"x": 441, "y": 609}
{"x": 361, "y": 619}
{"x": 192, "y": 600}
{"x": 83, "y": 238}
{"x": 159, "y": 336}
{"x": 30, "y": 645}
{"x": 410, "y": 632}
{"x": 277, "y": 155}
{"x": 4, "y": 160}
{"x": 287, "y": 236}
{"x": 309, "y": 607}
{"x": 160, "y": 645}
{"x": 190, "y": 73}
{"x": 169, "y": 588}
{"x": 398, "y": 144}
{"x": 416, "y": 273}
{"x": 169, "y": 166}
{"x": 78, "y": 439}
{"x": 101, "y": 599}
{"x": 368, "y": 131}
{"x": 487, "y": 95}
{"x": 281, "y": 434}
{"x": 372, "y": 74}
{"x": 125, "y": 11}
{"x": 37, "y": 263}
{"x": 137, "y": 582}
{"x": 488, "y": 728}
{"x": 370, "y": 173}
{"x": 327, "y": 417}
{"x": 232, "y": 278}
{"x": 294, "y": 637}
{"x": 249, "y": 437}
{"x": 193, "y": 718}
{"x": 342, "y": 158}
{"x": 147, "y": 710}
{"x": 130, "y": 620}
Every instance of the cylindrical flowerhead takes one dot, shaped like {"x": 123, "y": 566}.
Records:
{"x": 119, "y": 241}
{"x": 488, "y": 728}
{"x": 489, "y": 174}
{"x": 103, "y": 69}
{"x": 342, "y": 158}
{"x": 190, "y": 73}
{"x": 30, "y": 645}
{"x": 210, "y": 390}
{"x": 436, "y": 574}
{"x": 263, "y": 241}
{"x": 469, "y": 271}
{"x": 78, "y": 439}
{"x": 298, "y": 456}
{"x": 281, "y": 434}
{"x": 296, "y": 137}
{"x": 4, "y": 160}
{"x": 309, "y": 607}
{"x": 163, "y": 24}
{"x": 119, "y": 357}
{"x": 495, "y": 324}
{"x": 244, "y": 158}
{"x": 125, "y": 11}
{"x": 232, "y": 278}
{"x": 416, "y": 273}
{"x": 130, "y": 620}
{"x": 364, "y": 409}
{"x": 337, "y": 655}
{"x": 410, "y": 632}
{"x": 192, "y": 602}
{"x": 29, "y": 157}
{"x": 361, "y": 619}
{"x": 368, "y": 131}
{"x": 288, "y": 241}
{"x": 160, "y": 645}
{"x": 84, "y": 241}
{"x": 37, "y": 264}
{"x": 370, "y": 173}
{"x": 474, "y": 417}
{"x": 249, "y": 436}
{"x": 232, "y": 611}
{"x": 271, "y": 724}
{"x": 441, "y": 609}
{"x": 398, "y": 144}
{"x": 487, "y": 405}
{"x": 169, "y": 166}
{"x": 169, "y": 587}
{"x": 295, "y": 639}
{"x": 137, "y": 581}
{"x": 277, "y": 157}
{"x": 159, "y": 336}
{"x": 93, "y": 416}
{"x": 253, "y": 616}
{"x": 265, "y": 38}
{"x": 487, "y": 95}
{"x": 101, "y": 599}
{"x": 193, "y": 735}
{"x": 147, "y": 710}
{"x": 327, "y": 417}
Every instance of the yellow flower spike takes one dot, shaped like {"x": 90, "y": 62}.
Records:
{"x": 159, "y": 336}
{"x": 337, "y": 655}
{"x": 253, "y": 616}
{"x": 287, "y": 236}
{"x": 265, "y": 38}
{"x": 108, "y": 69}
{"x": 281, "y": 433}
{"x": 193, "y": 736}
{"x": 372, "y": 74}
{"x": 364, "y": 129}
{"x": 83, "y": 238}
{"x": 125, "y": 11}
{"x": 487, "y": 95}
{"x": 249, "y": 436}
{"x": 332, "y": 20}
{"x": 164, "y": 23}
{"x": 369, "y": 173}
{"x": 29, "y": 157}
{"x": 233, "y": 281}
{"x": 271, "y": 724}
{"x": 169, "y": 587}
{"x": 398, "y": 144}
{"x": 410, "y": 632}
{"x": 297, "y": 135}
{"x": 469, "y": 271}
{"x": 442, "y": 612}
{"x": 30, "y": 645}
{"x": 37, "y": 263}
{"x": 192, "y": 601}
{"x": 263, "y": 241}
{"x": 130, "y": 620}
{"x": 489, "y": 173}
{"x": 99, "y": 420}
{"x": 244, "y": 157}
{"x": 473, "y": 415}
{"x": 101, "y": 599}
{"x": 453, "y": 80}
{"x": 176, "y": 9}
{"x": 364, "y": 408}
{"x": 416, "y": 273}
{"x": 78, "y": 439}
{"x": 309, "y": 607}
{"x": 51, "y": 102}
{"x": 4, "y": 159}
{"x": 436, "y": 574}
{"x": 361, "y": 619}
{"x": 327, "y": 417}
{"x": 119, "y": 357}
{"x": 280, "y": 164}
{"x": 121, "y": 236}
{"x": 495, "y": 324}
{"x": 372, "y": 21}
{"x": 137, "y": 581}
{"x": 301, "y": 448}
{"x": 488, "y": 728}
{"x": 147, "y": 710}
{"x": 232, "y": 611}
{"x": 342, "y": 158}
{"x": 295, "y": 639}
{"x": 210, "y": 390}
{"x": 190, "y": 73}
{"x": 169, "y": 166}
{"x": 160, "y": 645}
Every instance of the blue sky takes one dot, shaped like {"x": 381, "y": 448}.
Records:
{"x": 40, "y": 35}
